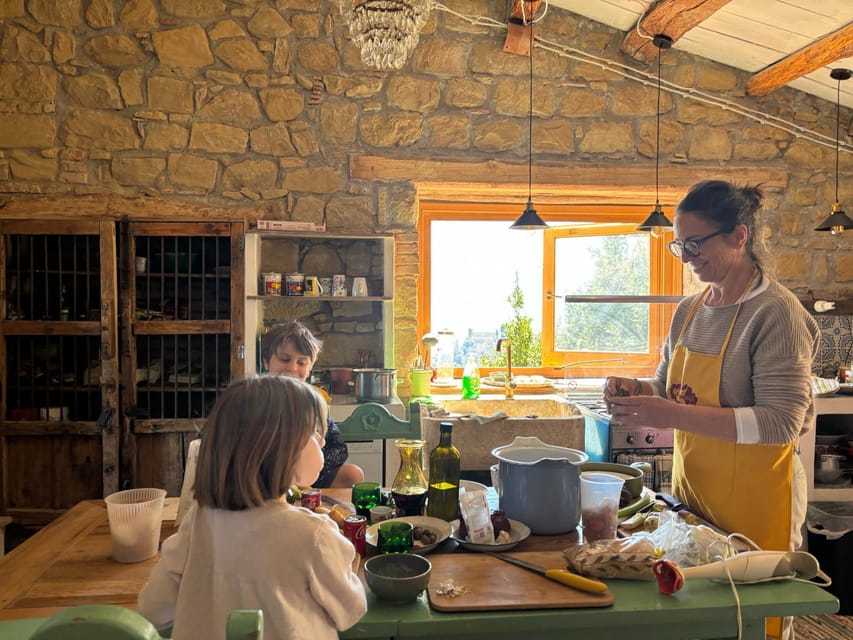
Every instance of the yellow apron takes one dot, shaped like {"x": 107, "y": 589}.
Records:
{"x": 725, "y": 482}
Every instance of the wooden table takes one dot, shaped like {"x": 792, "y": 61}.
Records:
{"x": 69, "y": 563}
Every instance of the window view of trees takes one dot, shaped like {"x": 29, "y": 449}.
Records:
{"x": 613, "y": 265}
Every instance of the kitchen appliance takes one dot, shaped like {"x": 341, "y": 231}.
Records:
{"x": 540, "y": 484}
{"x": 606, "y": 440}
{"x": 375, "y": 385}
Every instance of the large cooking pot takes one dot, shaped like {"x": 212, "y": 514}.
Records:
{"x": 375, "y": 385}
{"x": 540, "y": 484}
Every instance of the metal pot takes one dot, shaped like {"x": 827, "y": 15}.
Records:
{"x": 829, "y": 467}
{"x": 375, "y": 385}
{"x": 540, "y": 484}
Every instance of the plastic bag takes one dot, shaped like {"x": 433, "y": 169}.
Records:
{"x": 625, "y": 558}
{"x": 688, "y": 545}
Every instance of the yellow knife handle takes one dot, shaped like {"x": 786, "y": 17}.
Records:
{"x": 576, "y": 581}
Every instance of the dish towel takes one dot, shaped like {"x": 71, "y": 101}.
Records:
{"x": 497, "y": 415}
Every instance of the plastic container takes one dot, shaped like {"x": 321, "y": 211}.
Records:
{"x": 471, "y": 380}
{"x": 135, "y": 518}
{"x": 830, "y": 538}
{"x": 444, "y": 357}
{"x": 600, "y": 505}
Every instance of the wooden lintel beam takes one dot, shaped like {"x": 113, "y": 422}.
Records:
{"x": 497, "y": 180}
{"x": 671, "y": 18}
{"x": 833, "y": 46}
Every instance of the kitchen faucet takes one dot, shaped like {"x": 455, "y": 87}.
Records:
{"x": 509, "y": 383}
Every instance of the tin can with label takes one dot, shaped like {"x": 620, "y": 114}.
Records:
{"x": 311, "y": 498}
{"x": 355, "y": 529}
{"x": 271, "y": 284}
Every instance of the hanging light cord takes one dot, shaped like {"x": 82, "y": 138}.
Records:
{"x": 530, "y": 121}
{"x": 837, "y": 120}
{"x": 657, "y": 139}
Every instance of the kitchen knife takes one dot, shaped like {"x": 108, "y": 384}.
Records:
{"x": 558, "y": 575}
{"x": 671, "y": 501}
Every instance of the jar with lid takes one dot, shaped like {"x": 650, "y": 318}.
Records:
{"x": 409, "y": 489}
{"x": 444, "y": 357}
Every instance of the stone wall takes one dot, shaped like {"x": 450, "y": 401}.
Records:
{"x": 244, "y": 104}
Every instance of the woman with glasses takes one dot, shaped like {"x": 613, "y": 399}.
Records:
{"x": 734, "y": 378}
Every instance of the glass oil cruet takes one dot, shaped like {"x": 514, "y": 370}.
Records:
{"x": 409, "y": 488}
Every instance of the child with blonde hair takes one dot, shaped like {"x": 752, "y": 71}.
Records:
{"x": 242, "y": 546}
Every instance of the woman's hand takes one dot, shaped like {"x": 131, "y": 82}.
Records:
{"x": 640, "y": 410}
{"x": 616, "y": 387}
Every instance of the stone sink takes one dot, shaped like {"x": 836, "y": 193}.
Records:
{"x": 550, "y": 418}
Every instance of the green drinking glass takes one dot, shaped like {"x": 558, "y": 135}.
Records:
{"x": 395, "y": 537}
{"x": 365, "y": 496}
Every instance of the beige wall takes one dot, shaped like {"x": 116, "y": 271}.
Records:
{"x": 263, "y": 106}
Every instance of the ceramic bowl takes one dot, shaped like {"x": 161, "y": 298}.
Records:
{"x": 632, "y": 475}
{"x": 399, "y": 577}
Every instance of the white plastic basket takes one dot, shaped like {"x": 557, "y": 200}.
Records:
{"x": 135, "y": 518}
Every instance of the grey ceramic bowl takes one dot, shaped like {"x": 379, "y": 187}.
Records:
{"x": 397, "y": 576}
{"x": 631, "y": 474}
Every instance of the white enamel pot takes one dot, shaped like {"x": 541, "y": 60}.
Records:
{"x": 540, "y": 484}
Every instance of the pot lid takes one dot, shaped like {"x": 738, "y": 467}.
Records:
{"x": 529, "y": 450}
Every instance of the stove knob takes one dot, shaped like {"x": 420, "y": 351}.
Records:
{"x": 650, "y": 438}
{"x": 630, "y": 438}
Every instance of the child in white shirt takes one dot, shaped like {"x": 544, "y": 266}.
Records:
{"x": 242, "y": 546}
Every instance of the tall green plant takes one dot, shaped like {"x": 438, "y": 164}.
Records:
{"x": 526, "y": 344}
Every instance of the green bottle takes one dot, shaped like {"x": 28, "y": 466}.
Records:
{"x": 471, "y": 380}
{"x": 444, "y": 470}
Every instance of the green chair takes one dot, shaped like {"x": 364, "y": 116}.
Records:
{"x": 111, "y": 622}
{"x": 373, "y": 421}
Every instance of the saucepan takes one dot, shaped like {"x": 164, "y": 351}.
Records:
{"x": 829, "y": 467}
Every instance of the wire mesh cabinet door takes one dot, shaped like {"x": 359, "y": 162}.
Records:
{"x": 59, "y": 435}
{"x": 179, "y": 339}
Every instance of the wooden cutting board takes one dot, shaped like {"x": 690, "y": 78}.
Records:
{"x": 494, "y": 584}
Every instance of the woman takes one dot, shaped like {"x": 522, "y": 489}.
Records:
{"x": 734, "y": 380}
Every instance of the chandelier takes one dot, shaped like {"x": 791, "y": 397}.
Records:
{"x": 386, "y": 31}
{"x": 837, "y": 221}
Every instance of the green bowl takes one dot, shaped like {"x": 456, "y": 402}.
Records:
{"x": 631, "y": 474}
{"x": 398, "y": 577}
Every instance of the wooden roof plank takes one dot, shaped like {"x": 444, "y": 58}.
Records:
{"x": 832, "y": 47}
{"x": 673, "y": 18}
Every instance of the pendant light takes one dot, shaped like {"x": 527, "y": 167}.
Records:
{"x": 529, "y": 219}
{"x": 657, "y": 221}
{"x": 837, "y": 221}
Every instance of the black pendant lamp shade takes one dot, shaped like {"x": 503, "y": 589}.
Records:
{"x": 657, "y": 221}
{"x": 529, "y": 219}
{"x": 838, "y": 221}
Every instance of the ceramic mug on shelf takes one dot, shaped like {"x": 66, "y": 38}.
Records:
{"x": 339, "y": 285}
{"x": 294, "y": 284}
{"x": 325, "y": 286}
{"x": 359, "y": 286}
{"x": 312, "y": 287}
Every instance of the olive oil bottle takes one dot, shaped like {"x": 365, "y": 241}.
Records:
{"x": 444, "y": 470}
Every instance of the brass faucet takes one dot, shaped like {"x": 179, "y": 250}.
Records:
{"x": 509, "y": 383}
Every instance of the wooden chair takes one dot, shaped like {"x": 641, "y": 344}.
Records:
{"x": 373, "y": 421}
{"x": 111, "y": 622}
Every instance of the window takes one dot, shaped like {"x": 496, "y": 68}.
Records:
{"x": 480, "y": 280}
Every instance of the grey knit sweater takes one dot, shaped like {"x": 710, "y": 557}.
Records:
{"x": 767, "y": 365}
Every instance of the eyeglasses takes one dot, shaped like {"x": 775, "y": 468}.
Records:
{"x": 692, "y": 248}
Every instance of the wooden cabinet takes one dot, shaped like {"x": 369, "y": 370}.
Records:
{"x": 117, "y": 337}
{"x": 356, "y": 330}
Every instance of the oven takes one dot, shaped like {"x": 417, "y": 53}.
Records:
{"x": 609, "y": 441}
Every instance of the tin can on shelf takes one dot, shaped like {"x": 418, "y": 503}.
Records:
{"x": 271, "y": 284}
{"x": 311, "y": 498}
{"x": 355, "y": 529}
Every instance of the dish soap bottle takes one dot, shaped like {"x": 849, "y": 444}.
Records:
{"x": 444, "y": 471}
{"x": 471, "y": 380}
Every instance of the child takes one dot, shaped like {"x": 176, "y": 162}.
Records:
{"x": 242, "y": 546}
{"x": 290, "y": 349}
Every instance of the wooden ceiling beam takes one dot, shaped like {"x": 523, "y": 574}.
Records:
{"x": 672, "y": 18}
{"x": 833, "y": 46}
